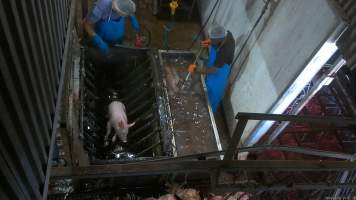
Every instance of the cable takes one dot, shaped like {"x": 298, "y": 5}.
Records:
{"x": 167, "y": 29}
{"x": 216, "y": 13}
{"x": 204, "y": 25}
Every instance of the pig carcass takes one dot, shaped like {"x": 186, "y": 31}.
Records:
{"x": 215, "y": 197}
{"x": 172, "y": 79}
{"x": 188, "y": 194}
{"x": 117, "y": 121}
{"x": 167, "y": 197}
{"x": 164, "y": 197}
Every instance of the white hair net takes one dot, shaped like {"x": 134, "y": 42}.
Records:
{"x": 125, "y": 6}
{"x": 217, "y": 32}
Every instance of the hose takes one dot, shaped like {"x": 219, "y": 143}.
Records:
{"x": 229, "y": 88}
{"x": 167, "y": 29}
{"x": 204, "y": 25}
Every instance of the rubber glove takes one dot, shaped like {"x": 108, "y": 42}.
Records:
{"x": 205, "y": 43}
{"x": 192, "y": 67}
{"x": 138, "y": 41}
{"x": 134, "y": 23}
{"x": 103, "y": 47}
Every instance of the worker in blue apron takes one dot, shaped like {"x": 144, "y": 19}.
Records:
{"x": 105, "y": 24}
{"x": 221, "y": 53}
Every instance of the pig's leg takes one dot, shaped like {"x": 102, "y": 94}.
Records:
{"x": 108, "y": 130}
{"x": 114, "y": 138}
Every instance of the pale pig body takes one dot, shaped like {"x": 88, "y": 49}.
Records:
{"x": 118, "y": 121}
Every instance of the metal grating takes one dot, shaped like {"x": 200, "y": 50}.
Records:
{"x": 347, "y": 43}
{"x": 34, "y": 36}
{"x": 130, "y": 79}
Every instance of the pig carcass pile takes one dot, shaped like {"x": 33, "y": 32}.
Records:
{"x": 179, "y": 192}
{"x": 193, "y": 194}
{"x": 120, "y": 119}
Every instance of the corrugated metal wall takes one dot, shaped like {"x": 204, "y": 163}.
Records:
{"x": 347, "y": 42}
{"x": 33, "y": 35}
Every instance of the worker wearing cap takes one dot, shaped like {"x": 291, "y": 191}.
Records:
{"x": 221, "y": 52}
{"x": 105, "y": 24}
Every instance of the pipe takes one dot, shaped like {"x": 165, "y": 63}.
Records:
{"x": 89, "y": 83}
{"x": 146, "y": 116}
{"x": 137, "y": 84}
{"x": 147, "y": 149}
{"x": 130, "y": 79}
{"x": 140, "y": 97}
{"x": 89, "y": 74}
{"x": 306, "y": 151}
{"x": 140, "y": 107}
{"x": 91, "y": 94}
{"x": 133, "y": 93}
{"x": 142, "y": 128}
{"x": 138, "y": 69}
{"x": 144, "y": 138}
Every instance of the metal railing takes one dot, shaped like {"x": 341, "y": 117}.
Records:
{"x": 203, "y": 163}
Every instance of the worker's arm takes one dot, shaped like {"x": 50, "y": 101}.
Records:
{"x": 205, "y": 70}
{"x": 96, "y": 39}
{"x": 202, "y": 70}
{"x": 93, "y": 17}
{"x": 89, "y": 28}
{"x": 88, "y": 25}
{"x": 134, "y": 23}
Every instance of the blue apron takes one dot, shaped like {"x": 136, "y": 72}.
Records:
{"x": 216, "y": 83}
{"x": 111, "y": 31}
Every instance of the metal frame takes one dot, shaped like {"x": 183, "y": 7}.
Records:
{"x": 167, "y": 167}
{"x": 317, "y": 86}
{"x": 55, "y": 122}
{"x": 192, "y": 164}
{"x": 244, "y": 117}
{"x": 211, "y": 114}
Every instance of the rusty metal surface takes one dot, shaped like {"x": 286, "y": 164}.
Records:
{"x": 192, "y": 125}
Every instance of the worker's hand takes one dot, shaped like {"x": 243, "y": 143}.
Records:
{"x": 205, "y": 43}
{"x": 192, "y": 67}
{"x": 102, "y": 46}
{"x": 138, "y": 41}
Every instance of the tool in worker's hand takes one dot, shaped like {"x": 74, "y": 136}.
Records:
{"x": 205, "y": 43}
{"x": 182, "y": 83}
{"x": 138, "y": 41}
